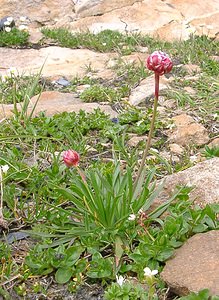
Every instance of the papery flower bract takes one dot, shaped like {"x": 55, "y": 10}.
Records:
{"x": 23, "y": 28}
{"x": 7, "y": 23}
{"x": 159, "y": 62}
{"x": 4, "y": 168}
{"x": 7, "y": 29}
{"x": 149, "y": 273}
{"x": 71, "y": 158}
{"x": 10, "y": 19}
{"x": 132, "y": 217}
{"x": 12, "y": 70}
{"x": 23, "y": 19}
{"x": 120, "y": 280}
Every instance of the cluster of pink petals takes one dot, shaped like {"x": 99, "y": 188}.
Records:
{"x": 71, "y": 158}
{"x": 159, "y": 62}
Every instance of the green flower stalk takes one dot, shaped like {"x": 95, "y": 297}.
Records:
{"x": 160, "y": 63}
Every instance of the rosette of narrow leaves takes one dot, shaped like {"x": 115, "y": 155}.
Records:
{"x": 103, "y": 203}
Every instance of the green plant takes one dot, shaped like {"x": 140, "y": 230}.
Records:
{"x": 13, "y": 38}
{"x": 210, "y": 152}
{"x": 98, "y": 93}
{"x": 202, "y": 295}
{"x": 126, "y": 291}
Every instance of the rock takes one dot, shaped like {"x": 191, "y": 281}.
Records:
{"x": 56, "y": 102}
{"x": 135, "y": 140}
{"x": 187, "y": 131}
{"x": 195, "y": 266}
{"x": 169, "y": 20}
{"x": 215, "y": 58}
{"x": 189, "y": 90}
{"x": 176, "y": 149}
{"x": 143, "y": 17}
{"x": 146, "y": 89}
{"x": 40, "y": 12}
{"x": 6, "y": 22}
{"x": 214, "y": 143}
{"x": 191, "y": 69}
{"x": 87, "y": 8}
{"x": 203, "y": 177}
{"x": 56, "y": 61}
{"x": 169, "y": 103}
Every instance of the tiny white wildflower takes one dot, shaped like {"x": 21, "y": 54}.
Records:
{"x": 7, "y": 23}
{"x": 104, "y": 44}
{"x": 7, "y": 29}
{"x": 132, "y": 217}
{"x": 12, "y": 70}
{"x": 5, "y": 168}
{"x": 149, "y": 273}
{"x": 120, "y": 280}
{"x": 23, "y": 28}
{"x": 4, "y": 77}
{"x": 10, "y": 19}
{"x": 23, "y": 19}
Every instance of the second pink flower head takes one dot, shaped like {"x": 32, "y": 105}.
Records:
{"x": 159, "y": 62}
{"x": 71, "y": 158}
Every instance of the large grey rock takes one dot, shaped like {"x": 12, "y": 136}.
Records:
{"x": 204, "y": 177}
{"x": 40, "y": 12}
{"x": 169, "y": 20}
{"x": 195, "y": 266}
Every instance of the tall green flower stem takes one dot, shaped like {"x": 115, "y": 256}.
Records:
{"x": 150, "y": 135}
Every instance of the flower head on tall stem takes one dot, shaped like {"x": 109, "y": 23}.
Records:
{"x": 160, "y": 63}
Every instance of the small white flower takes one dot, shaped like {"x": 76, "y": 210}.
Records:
{"x": 5, "y": 168}
{"x": 149, "y": 273}
{"x": 7, "y": 29}
{"x": 120, "y": 280}
{"x": 12, "y": 70}
{"x": 10, "y": 19}
{"x": 7, "y": 23}
{"x": 132, "y": 217}
{"x": 23, "y": 19}
{"x": 23, "y": 28}
{"x": 4, "y": 77}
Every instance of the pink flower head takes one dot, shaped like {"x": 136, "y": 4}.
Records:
{"x": 159, "y": 62}
{"x": 71, "y": 158}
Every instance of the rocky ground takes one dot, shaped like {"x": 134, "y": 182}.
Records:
{"x": 196, "y": 264}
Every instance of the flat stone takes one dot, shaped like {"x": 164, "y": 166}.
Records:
{"x": 176, "y": 149}
{"x": 146, "y": 89}
{"x": 135, "y": 140}
{"x": 40, "y": 12}
{"x": 87, "y": 8}
{"x": 214, "y": 143}
{"x": 169, "y": 19}
{"x": 54, "y": 61}
{"x": 191, "y": 69}
{"x": 189, "y": 90}
{"x": 187, "y": 131}
{"x": 55, "y": 102}
{"x": 195, "y": 266}
{"x": 203, "y": 177}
